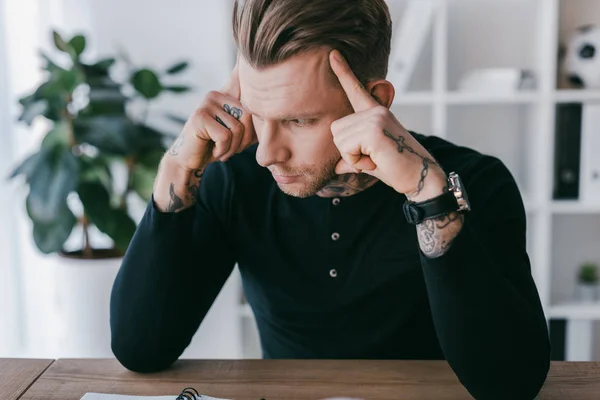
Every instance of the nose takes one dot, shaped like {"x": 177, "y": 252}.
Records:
{"x": 272, "y": 148}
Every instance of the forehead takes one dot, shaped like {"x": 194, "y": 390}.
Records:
{"x": 302, "y": 83}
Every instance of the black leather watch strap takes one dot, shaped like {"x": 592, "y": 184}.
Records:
{"x": 416, "y": 213}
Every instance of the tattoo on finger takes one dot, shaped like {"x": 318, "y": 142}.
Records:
{"x": 233, "y": 111}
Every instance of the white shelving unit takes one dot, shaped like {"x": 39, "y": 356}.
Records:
{"x": 516, "y": 127}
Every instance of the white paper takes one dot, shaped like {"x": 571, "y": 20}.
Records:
{"x": 104, "y": 396}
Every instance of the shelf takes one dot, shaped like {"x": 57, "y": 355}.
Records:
{"x": 466, "y": 98}
{"x": 491, "y": 98}
{"x": 575, "y": 310}
{"x": 414, "y": 98}
{"x": 576, "y": 96}
{"x": 573, "y": 207}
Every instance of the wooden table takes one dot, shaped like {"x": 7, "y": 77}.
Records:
{"x": 293, "y": 379}
{"x": 17, "y": 375}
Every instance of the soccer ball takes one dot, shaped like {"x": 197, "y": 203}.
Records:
{"x": 582, "y": 58}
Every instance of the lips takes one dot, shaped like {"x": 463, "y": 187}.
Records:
{"x": 285, "y": 179}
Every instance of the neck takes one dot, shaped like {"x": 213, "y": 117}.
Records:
{"x": 347, "y": 185}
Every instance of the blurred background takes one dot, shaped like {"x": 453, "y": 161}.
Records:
{"x": 92, "y": 92}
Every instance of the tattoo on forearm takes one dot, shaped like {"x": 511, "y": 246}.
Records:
{"x": 174, "y": 150}
{"x": 195, "y": 185}
{"x": 175, "y": 203}
{"x": 436, "y": 235}
{"x": 427, "y": 162}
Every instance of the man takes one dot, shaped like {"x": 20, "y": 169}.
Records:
{"x": 353, "y": 236}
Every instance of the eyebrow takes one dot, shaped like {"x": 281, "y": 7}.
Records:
{"x": 287, "y": 117}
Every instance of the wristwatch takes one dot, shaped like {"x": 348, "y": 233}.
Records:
{"x": 455, "y": 199}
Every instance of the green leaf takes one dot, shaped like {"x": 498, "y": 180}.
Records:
{"x": 69, "y": 80}
{"x": 28, "y": 167}
{"x": 104, "y": 64}
{"x": 106, "y": 100}
{"x": 59, "y": 42}
{"x": 54, "y": 178}
{"x": 112, "y": 221}
{"x": 51, "y": 66}
{"x": 177, "y": 68}
{"x": 96, "y": 170}
{"x": 110, "y": 134}
{"x": 142, "y": 181}
{"x": 148, "y": 139}
{"x": 152, "y": 159}
{"x": 57, "y": 137}
{"x": 50, "y": 237}
{"x": 77, "y": 43}
{"x": 146, "y": 83}
{"x": 178, "y": 89}
{"x": 33, "y": 110}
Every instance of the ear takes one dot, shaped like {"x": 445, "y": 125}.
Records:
{"x": 383, "y": 91}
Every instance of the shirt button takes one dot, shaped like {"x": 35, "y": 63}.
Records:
{"x": 336, "y": 201}
{"x": 335, "y": 236}
{"x": 333, "y": 273}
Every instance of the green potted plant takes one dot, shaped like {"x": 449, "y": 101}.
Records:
{"x": 588, "y": 281}
{"x": 91, "y": 133}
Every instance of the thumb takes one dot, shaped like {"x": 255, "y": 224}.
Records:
{"x": 343, "y": 167}
{"x": 364, "y": 164}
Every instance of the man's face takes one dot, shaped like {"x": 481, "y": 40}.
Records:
{"x": 293, "y": 105}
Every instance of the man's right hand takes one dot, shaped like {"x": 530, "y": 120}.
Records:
{"x": 217, "y": 130}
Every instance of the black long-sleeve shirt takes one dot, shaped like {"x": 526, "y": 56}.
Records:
{"x": 370, "y": 294}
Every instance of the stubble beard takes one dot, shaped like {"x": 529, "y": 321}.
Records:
{"x": 315, "y": 179}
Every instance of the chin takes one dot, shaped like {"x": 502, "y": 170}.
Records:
{"x": 297, "y": 190}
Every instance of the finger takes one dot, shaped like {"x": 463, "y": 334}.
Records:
{"x": 364, "y": 165}
{"x": 359, "y": 97}
{"x": 343, "y": 167}
{"x": 349, "y": 121}
{"x": 220, "y": 135}
{"x": 232, "y": 87}
{"x": 237, "y": 132}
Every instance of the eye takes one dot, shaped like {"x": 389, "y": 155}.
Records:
{"x": 301, "y": 122}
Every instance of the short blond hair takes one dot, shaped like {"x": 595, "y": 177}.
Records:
{"x": 268, "y": 32}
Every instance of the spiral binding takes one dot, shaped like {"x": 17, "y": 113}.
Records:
{"x": 189, "y": 393}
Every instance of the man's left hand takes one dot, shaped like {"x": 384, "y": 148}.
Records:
{"x": 372, "y": 141}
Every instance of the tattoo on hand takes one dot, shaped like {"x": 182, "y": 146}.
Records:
{"x": 174, "y": 150}
{"x": 175, "y": 203}
{"x": 233, "y": 111}
{"x": 436, "y": 235}
{"x": 427, "y": 162}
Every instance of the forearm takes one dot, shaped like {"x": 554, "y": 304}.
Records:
{"x": 435, "y": 235}
{"x": 147, "y": 293}
{"x": 173, "y": 270}
{"x": 492, "y": 332}
{"x": 175, "y": 188}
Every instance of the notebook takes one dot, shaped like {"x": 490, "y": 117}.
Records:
{"x": 186, "y": 394}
